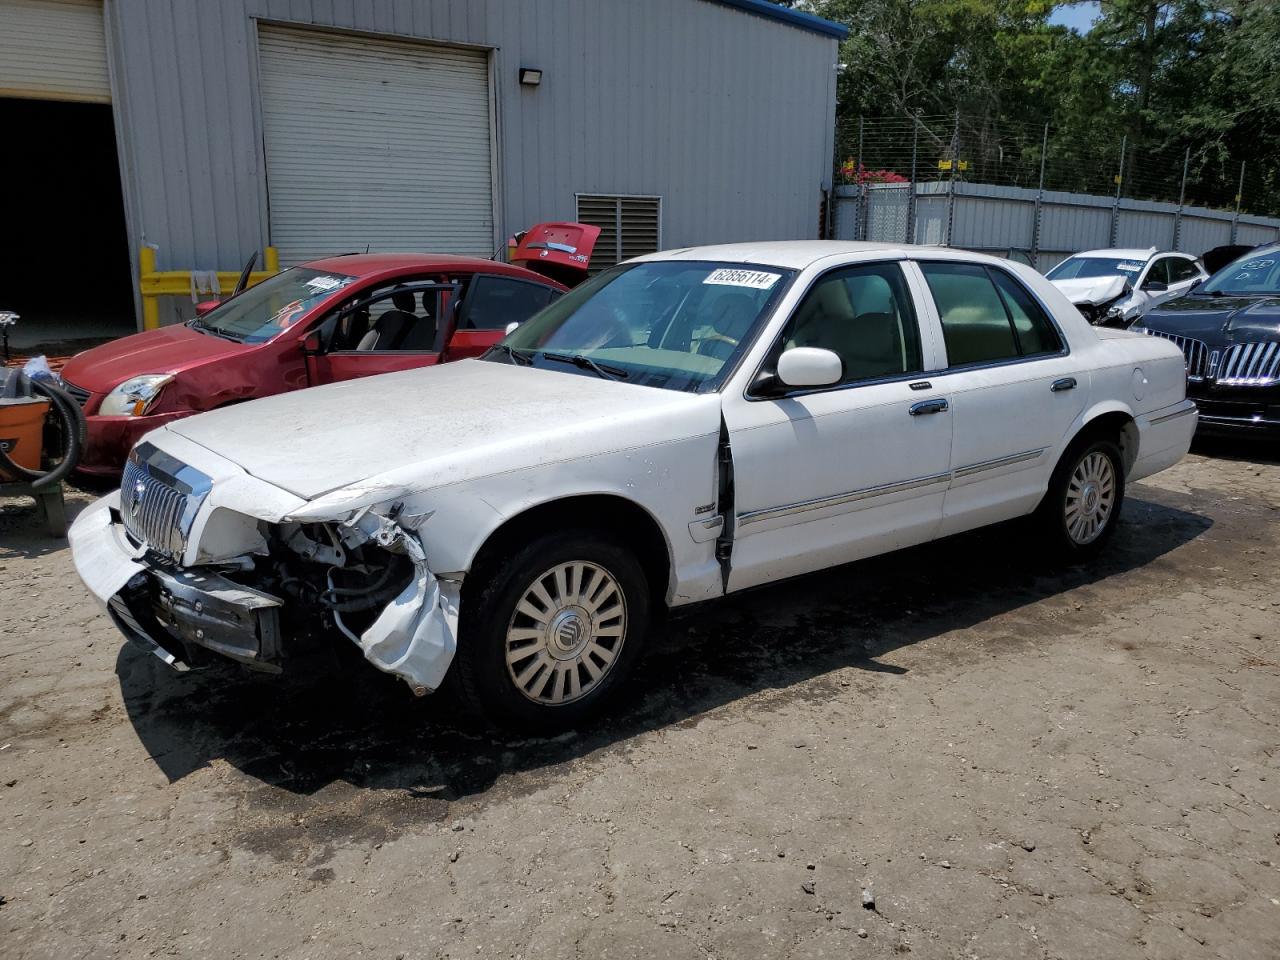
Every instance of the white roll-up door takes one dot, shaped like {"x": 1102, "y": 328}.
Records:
{"x": 53, "y": 50}
{"x": 375, "y": 143}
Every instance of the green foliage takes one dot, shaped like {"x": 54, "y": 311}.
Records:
{"x": 1168, "y": 75}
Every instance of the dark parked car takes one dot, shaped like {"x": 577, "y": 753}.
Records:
{"x": 1229, "y": 331}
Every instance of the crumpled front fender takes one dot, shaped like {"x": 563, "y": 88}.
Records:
{"x": 416, "y": 634}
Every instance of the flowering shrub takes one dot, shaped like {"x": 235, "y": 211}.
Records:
{"x": 856, "y": 173}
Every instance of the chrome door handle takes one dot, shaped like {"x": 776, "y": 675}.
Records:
{"x": 1066, "y": 383}
{"x": 929, "y": 406}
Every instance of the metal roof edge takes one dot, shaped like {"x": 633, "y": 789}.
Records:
{"x": 795, "y": 18}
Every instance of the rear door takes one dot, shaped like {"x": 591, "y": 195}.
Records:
{"x": 1014, "y": 385}
{"x": 488, "y": 305}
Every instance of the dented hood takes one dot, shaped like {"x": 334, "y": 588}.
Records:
{"x": 1091, "y": 290}
{"x": 426, "y": 428}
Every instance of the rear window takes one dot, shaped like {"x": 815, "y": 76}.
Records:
{"x": 987, "y": 316}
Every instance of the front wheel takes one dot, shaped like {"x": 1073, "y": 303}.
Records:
{"x": 1079, "y": 513}
{"x": 553, "y": 632}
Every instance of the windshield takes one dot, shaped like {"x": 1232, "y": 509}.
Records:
{"x": 1253, "y": 275}
{"x": 677, "y": 324}
{"x": 1084, "y": 268}
{"x": 274, "y": 305}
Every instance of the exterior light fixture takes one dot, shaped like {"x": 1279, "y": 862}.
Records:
{"x": 530, "y": 76}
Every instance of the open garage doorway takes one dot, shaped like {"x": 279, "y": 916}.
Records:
{"x": 64, "y": 246}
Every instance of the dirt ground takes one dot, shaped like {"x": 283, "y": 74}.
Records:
{"x": 1015, "y": 762}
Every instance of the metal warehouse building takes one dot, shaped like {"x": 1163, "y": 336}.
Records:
{"x": 212, "y": 128}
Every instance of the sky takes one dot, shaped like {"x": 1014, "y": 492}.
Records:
{"x": 1077, "y": 16}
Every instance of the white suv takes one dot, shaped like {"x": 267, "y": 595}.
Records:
{"x": 1115, "y": 287}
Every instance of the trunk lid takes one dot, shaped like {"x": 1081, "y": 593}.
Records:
{"x": 559, "y": 251}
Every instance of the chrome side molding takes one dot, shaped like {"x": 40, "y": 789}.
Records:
{"x": 985, "y": 465}
{"x": 885, "y": 489}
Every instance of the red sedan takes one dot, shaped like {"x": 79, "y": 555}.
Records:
{"x": 320, "y": 322}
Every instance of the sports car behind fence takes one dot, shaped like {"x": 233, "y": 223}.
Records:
{"x": 683, "y": 426}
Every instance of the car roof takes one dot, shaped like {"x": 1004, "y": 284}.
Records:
{"x": 372, "y": 264}
{"x": 798, "y": 254}
{"x": 1131, "y": 253}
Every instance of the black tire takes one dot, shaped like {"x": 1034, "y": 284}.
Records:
{"x": 488, "y": 685}
{"x": 1076, "y": 544}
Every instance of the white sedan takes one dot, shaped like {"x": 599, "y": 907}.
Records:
{"x": 1116, "y": 287}
{"x": 681, "y": 427}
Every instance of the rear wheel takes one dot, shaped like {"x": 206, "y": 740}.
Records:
{"x": 553, "y": 632}
{"x": 1079, "y": 513}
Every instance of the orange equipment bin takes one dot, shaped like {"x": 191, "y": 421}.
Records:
{"x": 22, "y": 431}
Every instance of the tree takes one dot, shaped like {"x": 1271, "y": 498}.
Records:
{"x": 1167, "y": 75}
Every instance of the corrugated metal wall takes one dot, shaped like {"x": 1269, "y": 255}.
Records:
{"x": 726, "y": 115}
{"x": 998, "y": 219}
{"x": 53, "y": 50}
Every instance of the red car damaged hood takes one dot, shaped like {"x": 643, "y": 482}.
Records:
{"x": 167, "y": 350}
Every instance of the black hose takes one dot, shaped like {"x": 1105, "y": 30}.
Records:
{"x": 366, "y": 602}
{"x": 387, "y": 571}
{"x": 73, "y": 432}
{"x": 371, "y": 595}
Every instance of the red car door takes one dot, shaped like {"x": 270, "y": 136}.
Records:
{"x": 488, "y": 306}
{"x": 395, "y": 327}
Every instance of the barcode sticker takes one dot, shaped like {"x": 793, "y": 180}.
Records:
{"x": 755, "y": 279}
{"x": 325, "y": 283}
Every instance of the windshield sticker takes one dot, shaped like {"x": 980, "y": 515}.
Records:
{"x": 1128, "y": 266}
{"x": 755, "y": 279}
{"x": 289, "y": 313}
{"x": 326, "y": 283}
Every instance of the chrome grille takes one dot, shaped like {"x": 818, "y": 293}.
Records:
{"x": 1250, "y": 365}
{"x": 1196, "y": 352}
{"x": 159, "y": 497}
{"x": 79, "y": 394}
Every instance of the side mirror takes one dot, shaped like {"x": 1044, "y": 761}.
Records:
{"x": 311, "y": 342}
{"x": 207, "y": 306}
{"x": 809, "y": 367}
{"x": 512, "y": 327}
{"x": 1155, "y": 286}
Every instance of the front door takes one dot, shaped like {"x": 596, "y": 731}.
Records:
{"x": 825, "y": 476}
{"x": 393, "y": 327}
{"x": 1014, "y": 387}
{"x": 488, "y": 306}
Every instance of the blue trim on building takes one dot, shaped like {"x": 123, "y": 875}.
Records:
{"x": 796, "y": 18}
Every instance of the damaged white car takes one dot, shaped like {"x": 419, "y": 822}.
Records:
{"x": 683, "y": 426}
{"x": 1115, "y": 288}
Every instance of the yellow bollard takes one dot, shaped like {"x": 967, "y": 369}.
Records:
{"x": 153, "y": 284}
{"x": 150, "y": 305}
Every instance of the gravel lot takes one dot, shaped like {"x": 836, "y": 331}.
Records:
{"x": 1015, "y": 762}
